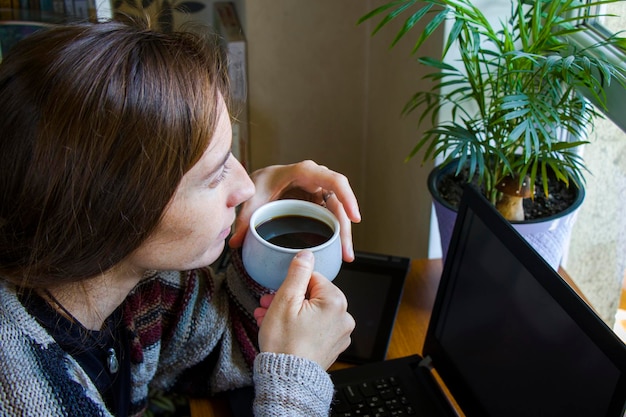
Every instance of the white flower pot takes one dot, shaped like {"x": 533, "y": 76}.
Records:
{"x": 548, "y": 236}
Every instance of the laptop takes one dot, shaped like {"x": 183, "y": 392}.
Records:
{"x": 507, "y": 336}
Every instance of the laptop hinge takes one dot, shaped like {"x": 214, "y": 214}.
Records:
{"x": 426, "y": 362}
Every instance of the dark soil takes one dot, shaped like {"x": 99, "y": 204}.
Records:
{"x": 559, "y": 198}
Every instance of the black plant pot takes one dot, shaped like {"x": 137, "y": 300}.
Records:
{"x": 549, "y": 236}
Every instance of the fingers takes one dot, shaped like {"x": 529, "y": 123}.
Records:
{"x": 306, "y": 317}
{"x": 345, "y": 225}
{"x": 335, "y": 323}
{"x": 259, "y": 315}
{"x": 294, "y": 289}
{"x": 240, "y": 228}
{"x": 264, "y": 302}
{"x": 305, "y": 179}
{"x": 335, "y": 194}
{"x": 312, "y": 176}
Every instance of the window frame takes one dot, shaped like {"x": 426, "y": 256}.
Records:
{"x": 615, "y": 93}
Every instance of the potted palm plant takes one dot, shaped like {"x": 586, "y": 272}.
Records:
{"x": 519, "y": 104}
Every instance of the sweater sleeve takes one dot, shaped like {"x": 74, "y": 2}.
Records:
{"x": 287, "y": 385}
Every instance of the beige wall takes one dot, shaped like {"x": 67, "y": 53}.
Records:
{"x": 320, "y": 88}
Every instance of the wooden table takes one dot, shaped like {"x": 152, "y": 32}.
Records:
{"x": 409, "y": 330}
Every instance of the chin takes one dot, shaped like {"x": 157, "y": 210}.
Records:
{"x": 210, "y": 256}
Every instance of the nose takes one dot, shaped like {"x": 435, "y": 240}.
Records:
{"x": 243, "y": 187}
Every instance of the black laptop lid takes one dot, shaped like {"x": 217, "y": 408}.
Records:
{"x": 509, "y": 337}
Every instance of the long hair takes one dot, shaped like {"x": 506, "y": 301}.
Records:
{"x": 99, "y": 123}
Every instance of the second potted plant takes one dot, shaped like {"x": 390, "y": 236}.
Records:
{"x": 518, "y": 100}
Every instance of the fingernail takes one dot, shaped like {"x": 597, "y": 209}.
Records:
{"x": 305, "y": 255}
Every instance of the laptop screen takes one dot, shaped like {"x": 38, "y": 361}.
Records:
{"x": 509, "y": 337}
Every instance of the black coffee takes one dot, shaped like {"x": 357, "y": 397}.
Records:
{"x": 295, "y": 232}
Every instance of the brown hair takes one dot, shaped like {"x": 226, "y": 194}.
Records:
{"x": 99, "y": 123}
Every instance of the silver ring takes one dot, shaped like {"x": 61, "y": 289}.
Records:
{"x": 325, "y": 196}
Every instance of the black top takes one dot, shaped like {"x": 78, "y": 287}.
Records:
{"x": 90, "y": 348}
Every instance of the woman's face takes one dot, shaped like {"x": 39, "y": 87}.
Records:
{"x": 198, "y": 219}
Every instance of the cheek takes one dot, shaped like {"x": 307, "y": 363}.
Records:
{"x": 187, "y": 229}
{"x": 183, "y": 243}
{"x": 199, "y": 241}
{"x": 197, "y": 224}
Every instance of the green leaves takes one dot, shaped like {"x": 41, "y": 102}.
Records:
{"x": 518, "y": 90}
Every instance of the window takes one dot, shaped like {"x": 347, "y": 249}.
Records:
{"x": 609, "y": 25}
{"x": 612, "y": 21}
{"x": 597, "y": 256}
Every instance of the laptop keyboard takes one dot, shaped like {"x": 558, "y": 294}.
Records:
{"x": 377, "y": 398}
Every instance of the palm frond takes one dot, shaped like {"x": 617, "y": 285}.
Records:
{"x": 518, "y": 87}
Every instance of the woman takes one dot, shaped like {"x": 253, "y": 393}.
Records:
{"x": 117, "y": 172}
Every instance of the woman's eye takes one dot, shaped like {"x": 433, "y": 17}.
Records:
{"x": 220, "y": 177}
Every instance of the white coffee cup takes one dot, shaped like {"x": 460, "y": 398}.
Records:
{"x": 267, "y": 263}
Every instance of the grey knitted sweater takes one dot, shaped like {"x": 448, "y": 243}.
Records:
{"x": 177, "y": 321}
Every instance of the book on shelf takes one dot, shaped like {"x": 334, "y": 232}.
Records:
{"x": 234, "y": 46}
{"x": 54, "y": 11}
{"x": 7, "y": 9}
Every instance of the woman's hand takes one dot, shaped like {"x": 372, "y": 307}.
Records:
{"x": 306, "y": 181}
{"x": 306, "y": 317}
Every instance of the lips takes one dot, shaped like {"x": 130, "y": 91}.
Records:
{"x": 224, "y": 234}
